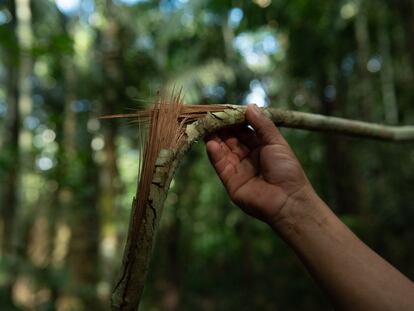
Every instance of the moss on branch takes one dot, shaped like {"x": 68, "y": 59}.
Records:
{"x": 302, "y": 120}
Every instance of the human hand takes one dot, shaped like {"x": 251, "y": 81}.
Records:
{"x": 257, "y": 167}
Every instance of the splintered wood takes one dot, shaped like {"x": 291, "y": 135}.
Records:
{"x": 187, "y": 113}
{"x": 165, "y": 133}
{"x": 165, "y": 122}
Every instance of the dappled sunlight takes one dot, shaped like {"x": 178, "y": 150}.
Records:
{"x": 68, "y": 176}
{"x": 257, "y": 48}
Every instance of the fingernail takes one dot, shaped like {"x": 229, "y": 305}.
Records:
{"x": 256, "y": 109}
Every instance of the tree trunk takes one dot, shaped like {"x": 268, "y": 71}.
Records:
{"x": 363, "y": 88}
{"x": 84, "y": 222}
{"x": 78, "y": 198}
{"x": 9, "y": 196}
{"x": 112, "y": 97}
{"x": 19, "y": 94}
{"x": 387, "y": 72}
{"x": 338, "y": 154}
{"x": 406, "y": 8}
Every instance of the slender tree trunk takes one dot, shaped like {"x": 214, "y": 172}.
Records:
{"x": 19, "y": 140}
{"x": 11, "y": 152}
{"x": 406, "y": 8}
{"x": 228, "y": 37}
{"x": 338, "y": 153}
{"x": 112, "y": 96}
{"x": 387, "y": 73}
{"x": 63, "y": 195}
{"x": 24, "y": 213}
{"x": 84, "y": 223}
{"x": 364, "y": 87}
{"x": 81, "y": 205}
{"x": 9, "y": 196}
{"x": 83, "y": 257}
{"x": 78, "y": 197}
{"x": 25, "y": 38}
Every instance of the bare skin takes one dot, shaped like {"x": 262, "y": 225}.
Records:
{"x": 263, "y": 176}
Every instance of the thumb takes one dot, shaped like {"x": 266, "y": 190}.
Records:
{"x": 265, "y": 129}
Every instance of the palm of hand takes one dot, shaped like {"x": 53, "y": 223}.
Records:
{"x": 259, "y": 178}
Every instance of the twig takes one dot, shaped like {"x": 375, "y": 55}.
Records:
{"x": 313, "y": 122}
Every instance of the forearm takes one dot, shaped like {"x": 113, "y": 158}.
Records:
{"x": 354, "y": 276}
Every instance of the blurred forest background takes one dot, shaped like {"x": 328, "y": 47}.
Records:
{"x": 67, "y": 178}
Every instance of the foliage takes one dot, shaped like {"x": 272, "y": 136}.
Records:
{"x": 67, "y": 179}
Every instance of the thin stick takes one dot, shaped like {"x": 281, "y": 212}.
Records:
{"x": 292, "y": 119}
{"x": 315, "y": 122}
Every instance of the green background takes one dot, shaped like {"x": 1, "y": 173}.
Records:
{"x": 67, "y": 179}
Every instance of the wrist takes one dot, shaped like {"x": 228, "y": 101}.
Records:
{"x": 300, "y": 207}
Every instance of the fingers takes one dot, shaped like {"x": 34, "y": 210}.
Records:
{"x": 231, "y": 161}
{"x": 220, "y": 154}
{"x": 266, "y": 131}
{"x": 231, "y": 139}
{"x": 215, "y": 150}
{"x": 224, "y": 161}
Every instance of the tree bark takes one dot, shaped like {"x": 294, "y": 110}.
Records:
{"x": 406, "y": 8}
{"x": 113, "y": 86}
{"x": 389, "y": 98}
{"x": 18, "y": 139}
{"x": 78, "y": 197}
{"x": 10, "y": 153}
{"x": 364, "y": 87}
